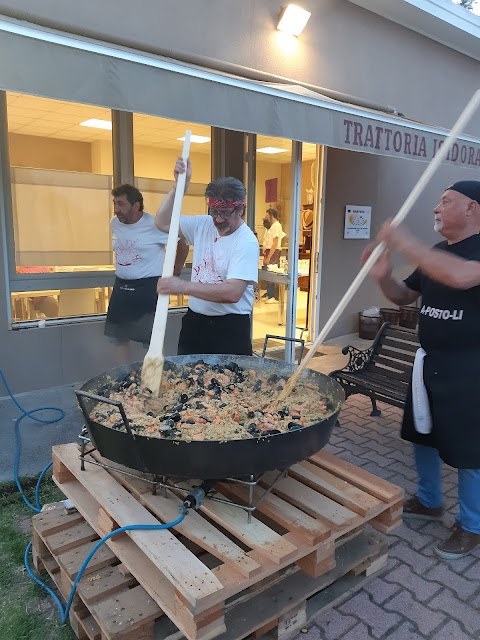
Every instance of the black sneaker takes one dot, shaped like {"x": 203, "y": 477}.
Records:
{"x": 413, "y": 508}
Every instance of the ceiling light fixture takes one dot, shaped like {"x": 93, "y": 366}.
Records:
{"x": 293, "y": 19}
{"x": 97, "y": 124}
{"x": 271, "y": 150}
{"x": 197, "y": 139}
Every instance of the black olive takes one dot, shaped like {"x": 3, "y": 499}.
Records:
{"x": 199, "y": 405}
{"x": 118, "y": 424}
{"x": 183, "y": 398}
{"x": 257, "y": 386}
{"x": 224, "y": 404}
{"x": 104, "y": 391}
{"x": 176, "y": 417}
{"x": 273, "y": 379}
{"x": 296, "y": 417}
{"x": 151, "y": 414}
{"x": 201, "y": 381}
{"x": 205, "y": 418}
{"x": 198, "y": 362}
{"x": 214, "y": 382}
{"x": 252, "y": 427}
{"x": 271, "y": 432}
{"x": 293, "y": 426}
{"x": 170, "y": 422}
{"x": 164, "y": 428}
{"x": 199, "y": 392}
{"x": 220, "y": 369}
{"x": 285, "y": 410}
{"x": 189, "y": 421}
{"x": 251, "y": 414}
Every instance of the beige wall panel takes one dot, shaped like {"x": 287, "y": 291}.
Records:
{"x": 49, "y": 153}
{"x": 153, "y": 162}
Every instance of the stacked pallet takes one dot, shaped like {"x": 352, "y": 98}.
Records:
{"x": 315, "y": 537}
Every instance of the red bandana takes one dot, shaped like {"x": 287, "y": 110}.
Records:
{"x": 222, "y": 205}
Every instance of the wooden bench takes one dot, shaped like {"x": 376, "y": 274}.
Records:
{"x": 383, "y": 371}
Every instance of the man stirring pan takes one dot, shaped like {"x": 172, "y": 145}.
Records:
{"x": 224, "y": 269}
{"x": 441, "y": 414}
{"x": 139, "y": 249}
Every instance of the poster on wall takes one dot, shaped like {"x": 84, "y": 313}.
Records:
{"x": 357, "y": 222}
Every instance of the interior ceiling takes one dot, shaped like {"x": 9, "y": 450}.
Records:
{"x": 32, "y": 116}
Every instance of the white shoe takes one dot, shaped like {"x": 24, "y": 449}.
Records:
{"x": 271, "y": 301}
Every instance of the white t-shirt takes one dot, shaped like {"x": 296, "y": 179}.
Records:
{"x": 275, "y": 231}
{"x": 219, "y": 258}
{"x": 139, "y": 248}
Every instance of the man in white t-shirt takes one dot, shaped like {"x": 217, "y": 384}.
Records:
{"x": 271, "y": 245}
{"x": 224, "y": 269}
{"x": 139, "y": 249}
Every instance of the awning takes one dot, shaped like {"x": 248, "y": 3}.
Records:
{"x": 47, "y": 63}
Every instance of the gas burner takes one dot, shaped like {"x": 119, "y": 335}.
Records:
{"x": 184, "y": 486}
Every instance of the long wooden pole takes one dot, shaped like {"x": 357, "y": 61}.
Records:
{"x": 152, "y": 369}
{"x": 432, "y": 167}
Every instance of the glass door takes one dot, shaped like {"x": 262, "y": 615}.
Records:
{"x": 273, "y": 179}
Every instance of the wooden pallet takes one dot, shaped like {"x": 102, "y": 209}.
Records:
{"x": 200, "y": 574}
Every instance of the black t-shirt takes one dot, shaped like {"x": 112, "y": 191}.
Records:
{"x": 449, "y": 318}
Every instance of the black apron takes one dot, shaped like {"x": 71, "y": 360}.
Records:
{"x": 131, "y": 310}
{"x": 449, "y": 331}
{"x": 227, "y": 334}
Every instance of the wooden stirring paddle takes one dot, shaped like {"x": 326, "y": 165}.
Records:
{"x": 152, "y": 369}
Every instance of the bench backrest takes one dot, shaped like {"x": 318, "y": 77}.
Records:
{"x": 394, "y": 352}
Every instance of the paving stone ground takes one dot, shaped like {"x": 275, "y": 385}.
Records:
{"x": 417, "y": 596}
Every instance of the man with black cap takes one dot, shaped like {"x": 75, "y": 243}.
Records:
{"x": 441, "y": 416}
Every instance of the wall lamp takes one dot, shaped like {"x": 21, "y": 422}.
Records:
{"x": 292, "y": 19}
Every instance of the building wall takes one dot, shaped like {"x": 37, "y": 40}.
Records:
{"x": 343, "y": 47}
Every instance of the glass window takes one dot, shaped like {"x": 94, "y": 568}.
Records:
{"x": 156, "y": 146}
{"x": 61, "y": 181}
{"x": 49, "y": 304}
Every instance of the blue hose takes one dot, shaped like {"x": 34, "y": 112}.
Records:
{"x": 18, "y": 443}
{"x": 132, "y": 527}
{"x": 37, "y": 507}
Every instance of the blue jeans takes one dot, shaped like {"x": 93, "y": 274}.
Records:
{"x": 271, "y": 290}
{"x": 429, "y": 470}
